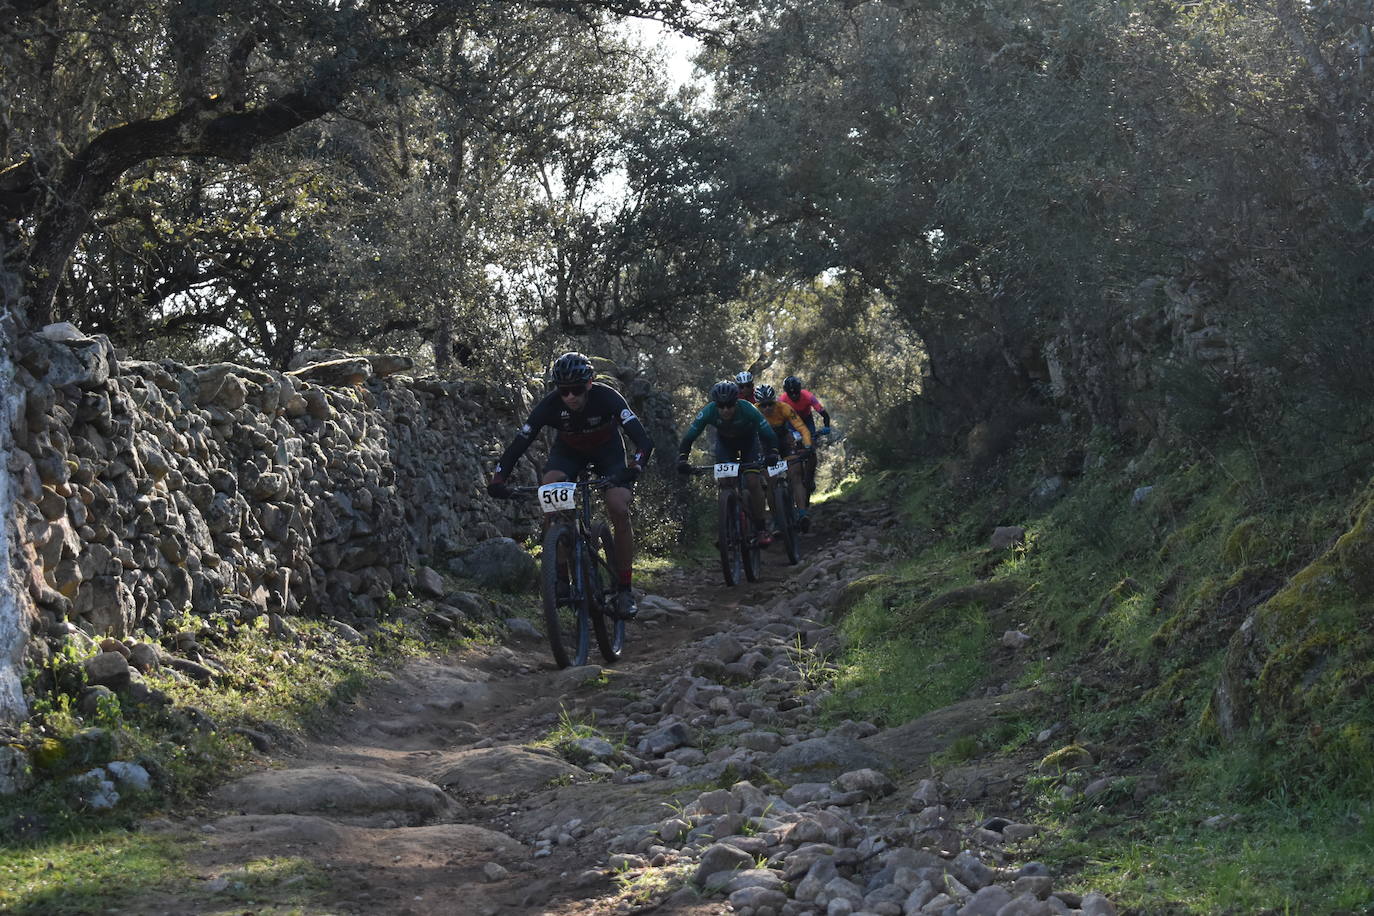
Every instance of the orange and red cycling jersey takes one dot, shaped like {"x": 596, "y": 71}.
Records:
{"x": 779, "y": 415}
{"x": 804, "y": 404}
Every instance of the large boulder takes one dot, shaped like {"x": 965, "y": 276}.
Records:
{"x": 822, "y": 759}
{"x": 498, "y": 563}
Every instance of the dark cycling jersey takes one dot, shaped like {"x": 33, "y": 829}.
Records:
{"x": 746, "y": 422}
{"x": 586, "y": 431}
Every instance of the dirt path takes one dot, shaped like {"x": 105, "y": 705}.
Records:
{"x": 433, "y": 797}
{"x": 450, "y": 719}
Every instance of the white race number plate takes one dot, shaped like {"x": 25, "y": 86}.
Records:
{"x": 727, "y": 469}
{"x": 557, "y": 497}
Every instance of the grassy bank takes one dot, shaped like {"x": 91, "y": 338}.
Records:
{"x": 1198, "y": 626}
{"x": 61, "y": 854}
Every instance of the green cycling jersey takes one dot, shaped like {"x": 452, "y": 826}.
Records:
{"x": 746, "y": 421}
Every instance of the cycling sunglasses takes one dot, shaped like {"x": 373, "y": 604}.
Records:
{"x": 574, "y": 390}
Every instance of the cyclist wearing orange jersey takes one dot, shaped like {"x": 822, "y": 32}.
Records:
{"x": 780, "y": 417}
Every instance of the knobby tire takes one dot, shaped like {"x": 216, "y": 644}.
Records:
{"x": 786, "y": 516}
{"x": 601, "y": 587}
{"x": 749, "y": 543}
{"x": 731, "y": 559}
{"x": 566, "y": 623}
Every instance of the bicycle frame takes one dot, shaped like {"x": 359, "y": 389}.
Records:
{"x": 730, "y": 481}
{"x": 575, "y": 597}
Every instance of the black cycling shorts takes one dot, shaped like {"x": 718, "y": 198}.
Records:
{"x": 789, "y": 440}
{"x": 607, "y": 460}
{"x": 742, "y": 450}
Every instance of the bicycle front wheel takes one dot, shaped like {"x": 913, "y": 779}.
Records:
{"x": 602, "y": 578}
{"x": 565, "y": 620}
{"x": 731, "y": 560}
{"x": 749, "y": 549}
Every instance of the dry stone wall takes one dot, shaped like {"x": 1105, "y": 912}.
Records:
{"x": 140, "y": 490}
{"x": 1112, "y": 371}
{"x": 11, "y": 614}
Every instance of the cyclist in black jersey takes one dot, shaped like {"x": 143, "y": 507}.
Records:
{"x": 588, "y": 418}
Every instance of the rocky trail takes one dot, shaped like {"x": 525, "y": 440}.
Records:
{"x": 727, "y": 794}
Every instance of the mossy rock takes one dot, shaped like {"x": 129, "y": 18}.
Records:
{"x": 1298, "y": 657}
{"x": 1354, "y": 554}
{"x": 990, "y": 594}
{"x": 49, "y": 755}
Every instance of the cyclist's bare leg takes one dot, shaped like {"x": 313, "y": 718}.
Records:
{"x": 756, "y": 503}
{"x": 618, "y": 508}
{"x": 799, "y": 494}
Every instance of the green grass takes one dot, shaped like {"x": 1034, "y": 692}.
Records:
{"x": 902, "y": 663}
{"x": 569, "y": 729}
{"x": 1132, "y": 611}
{"x": 98, "y": 871}
{"x": 1308, "y": 858}
{"x": 56, "y": 856}
{"x": 86, "y": 872}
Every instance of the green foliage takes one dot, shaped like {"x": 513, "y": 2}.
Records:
{"x": 1198, "y": 855}
{"x": 568, "y": 730}
{"x": 1226, "y": 577}
{"x": 908, "y": 656}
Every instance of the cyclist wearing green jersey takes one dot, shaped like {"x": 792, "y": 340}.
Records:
{"x": 739, "y": 430}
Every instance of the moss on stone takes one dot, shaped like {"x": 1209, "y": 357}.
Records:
{"x": 1303, "y": 657}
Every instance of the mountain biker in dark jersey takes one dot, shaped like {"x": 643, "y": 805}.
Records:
{"x": 806, "y": 405}
{"x": 745, "y": 381}
{"x": 792, "y": 436}
{"x": 739, "y": 429}
{"x": 587, "y": 416}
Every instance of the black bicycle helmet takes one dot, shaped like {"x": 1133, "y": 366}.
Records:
{"x": 571, "y": 368}
{"x": 724, "y": 394}
{"x": 766, "y": 394}
{"x": 792, "y": 385}
{"x": 745, "y": 378}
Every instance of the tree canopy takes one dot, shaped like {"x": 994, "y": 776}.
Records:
{"x": 1018, "y": 190}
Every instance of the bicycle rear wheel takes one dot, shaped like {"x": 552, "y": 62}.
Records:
{"x": 565, "y": 621}
{"x": 750, "y": 551}
{"x": 731, "y": 560}
{"x": 785, "y": 515}
{"x": 610, "y": 630}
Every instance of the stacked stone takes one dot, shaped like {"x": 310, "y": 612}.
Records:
{"x": 145, "y": 489}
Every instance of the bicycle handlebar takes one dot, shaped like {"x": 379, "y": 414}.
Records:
{"x": 598, "y": 483}
{"x": 744, "y": 466}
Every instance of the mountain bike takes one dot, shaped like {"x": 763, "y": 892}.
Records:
{"x": 736, "y": 537}
{"x": 784, "y": 508}
{"x": 577, "y": 572}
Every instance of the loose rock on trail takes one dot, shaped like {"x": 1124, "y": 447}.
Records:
{"x": 727, "y": 794}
